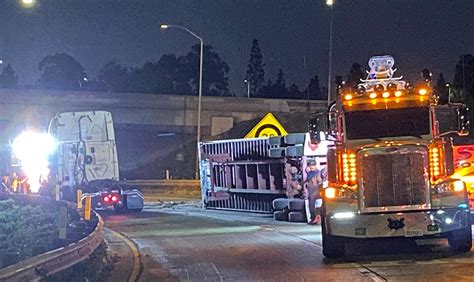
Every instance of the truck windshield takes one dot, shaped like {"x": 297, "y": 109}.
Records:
{"x": 387, "y": 123}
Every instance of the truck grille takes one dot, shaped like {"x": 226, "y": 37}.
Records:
{"x": 394, "y": 176}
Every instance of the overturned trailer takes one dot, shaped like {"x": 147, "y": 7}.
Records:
{"x": 248, "y": 174}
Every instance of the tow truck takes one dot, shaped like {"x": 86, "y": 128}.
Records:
{"x": 87, "y": 159}
{"x": 390, "y": 171}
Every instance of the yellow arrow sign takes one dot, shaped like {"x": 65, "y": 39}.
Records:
{"x": 268, "y": 126}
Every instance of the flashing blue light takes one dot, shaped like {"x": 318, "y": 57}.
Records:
{"x": 463, "y": 206}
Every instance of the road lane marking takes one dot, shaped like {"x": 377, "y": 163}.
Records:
{"x": 134, "y": 275}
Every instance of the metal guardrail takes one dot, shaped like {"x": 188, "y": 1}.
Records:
{"x": 35, "y": 268}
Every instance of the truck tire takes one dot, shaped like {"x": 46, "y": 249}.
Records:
{"x": 294, "y": 138}
{"x": 294, "y": 151}
{"x": 460, "y": 240}
{"x": 296, "y": 205}
{"x": 280, "y": 204}
{"x": 281, "y": 215}
{"x": 276, "y": 152}
{"x": 296, "y": 216}
{"x": 333, "y": 246}
{"x": 274, "y": 141}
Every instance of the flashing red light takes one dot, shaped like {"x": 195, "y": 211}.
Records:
{"x": 114, "y": 198}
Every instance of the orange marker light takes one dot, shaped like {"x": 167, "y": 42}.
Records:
{"x": 386, "y": 94}
{"x": 348, "y": 97}
{"x": 398, "y": 93}
{"x": 422, "y": 91}
{"x": 373, "y": 95}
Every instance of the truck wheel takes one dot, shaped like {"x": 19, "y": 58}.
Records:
{"x": 333, "y": 246}
{"x": 281, "y": 215}
{"x": 280, "y": 204}
{"x": 276, "y": 152}
{"x": 294, "y": 151}
{"x": 296, "y": 205}
{"x": 274, "y": 140}
{"x": 294, "y": 138}
{"x": 460, "y": 240}
{"x": 296, "y": 216}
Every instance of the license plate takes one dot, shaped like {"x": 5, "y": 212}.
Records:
{"x": 413, "y": 232}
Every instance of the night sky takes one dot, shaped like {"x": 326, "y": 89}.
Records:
{"x": 421, "y": 33}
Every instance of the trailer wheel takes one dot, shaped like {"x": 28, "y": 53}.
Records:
{"x": 280, "y": 204}
{"x": 333, "y": 246}
{"x": 294, "y": 138}
{"x": 296, "y": 205}
{"x": 460, "y": 240}
{"x": 296, "y": 216}
{"x": 281, "y": 215}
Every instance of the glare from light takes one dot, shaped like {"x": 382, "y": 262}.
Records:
{"x": 386, "y": 94}
{"x": 440, "y": 212}
{"x": 458, "y": 186}
{"x": 330, "y": 2}
{"x": 330, "y": 193}
{"x": 33, "y": 149}
{"x": 28, "y": 3}
{"x": 398, "y": 93}
{"x": 448, "y": 220}
{"x": 373, "y": 95}
{"x": 341, "y": 215}
{"x": 422, "y": 91}
{"x": 348, "y": 97}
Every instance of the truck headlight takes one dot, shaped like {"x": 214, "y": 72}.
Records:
{"x": 339, "y": 192}
{"x": 450, "y": 186}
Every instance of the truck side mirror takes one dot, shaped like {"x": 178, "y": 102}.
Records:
{"x": 318, "y": 123}
{"x": 453, "y": 118}
{"x": 463, "y": 120}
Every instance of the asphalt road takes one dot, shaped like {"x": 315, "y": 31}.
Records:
{"x": 184, "y": 242}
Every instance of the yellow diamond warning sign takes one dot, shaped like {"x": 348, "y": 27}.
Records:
{"x": 268, "y": 126}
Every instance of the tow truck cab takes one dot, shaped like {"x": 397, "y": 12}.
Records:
{"x": 390, "y": 170}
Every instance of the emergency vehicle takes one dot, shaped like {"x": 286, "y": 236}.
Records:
{"x": 390, "y": 171}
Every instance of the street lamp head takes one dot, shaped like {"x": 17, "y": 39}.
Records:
{"x": 28, "y": 3}
{"x": 330, "y": 2}
{"x": 164, "y": 26}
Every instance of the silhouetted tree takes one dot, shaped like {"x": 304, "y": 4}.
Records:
{"x": 279, "y": 88}
{"x": 441, "y": 89}
{"x": 215, "y": 80}
{"x": 266, "y": 91}
{"x": 114, "y": 76}
{"x": 464, "y": 76}
{"x": 314, "y": 89}
{"x": 294, "y": 92}
{"x": 8, "y": 78}
{"x": 355, "y": 75}
{"x": 61, "y": 72}
{"x": 255, "y": 73}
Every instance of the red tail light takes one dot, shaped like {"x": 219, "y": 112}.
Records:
{"x": 114, "y": 198}
{"x": 106, "y": 199}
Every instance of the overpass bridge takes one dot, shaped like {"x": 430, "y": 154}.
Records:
{"x": 155, "y": 132}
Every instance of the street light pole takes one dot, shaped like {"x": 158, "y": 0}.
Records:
{"x": 449, "y": 92}
{"x": 248, "y": 87}
{"x": 330, "y": 3}
{"x": 201, "y": 57}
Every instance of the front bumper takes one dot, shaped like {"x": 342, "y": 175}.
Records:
{"x": 402, "y": 224}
